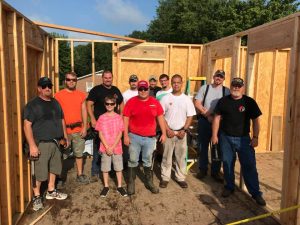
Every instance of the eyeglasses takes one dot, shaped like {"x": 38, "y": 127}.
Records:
{"x": 108, "y": 103}
{"x": 46, "y": 85}
{"x": 143, "y": 89}
{"x": 69, "y": 79}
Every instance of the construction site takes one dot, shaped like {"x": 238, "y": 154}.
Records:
{"x": 270, "y": 67}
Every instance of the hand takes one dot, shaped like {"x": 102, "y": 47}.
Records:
{"x": 83, "y": 132}
{"x": 181, "y": 134}
{"x": 109, "y": 151}
{"x": 254, "y": 142}
{"x": 170, "y": 133}
{"x": 67, "y": 143}
{"x": 93, "y": 122}
{"x": 34, "y": 151}
{"x": 214, "y": 140}
{"x": 126, "y": 140}
{"x": 162, "y": 138}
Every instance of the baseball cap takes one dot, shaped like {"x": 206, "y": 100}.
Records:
{"x": 152, "y": 77}
{"x": 133, "y": 78}
{"x": 143, "y": 83}
{"x": 237, "y": 82}
{"x": 220, "y": 72}
{"x": 44, "y": 81}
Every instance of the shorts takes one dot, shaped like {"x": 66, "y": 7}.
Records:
{"x": 49, "y": 161}
{"x": 117, "y": 161}
{"x": 77, "y": 144}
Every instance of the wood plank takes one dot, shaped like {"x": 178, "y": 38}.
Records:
{"x": 222, "y": 48}
{"x": 72, "y": 55}
{"x": 56, "y": 67}
{"x": 52, "y": 59}
{"x": 59, "y": 27}
{"x": 93, "y": 61}
{"x": 276, "y": 134}
{"x": 143, "y": 51}
{"x": 170, "y": 59}
{"x": 250, "y": 74}
{"x": 235, "y": 61}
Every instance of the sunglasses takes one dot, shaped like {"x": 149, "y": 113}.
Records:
{"x": 47, "y": 85}
{"x": 237, "y": 85}
{"x": 69, "y": 79}
{"x": 143, "y": 89}
{"x": 108, "y": 103}
{"x": 219, "y": 75}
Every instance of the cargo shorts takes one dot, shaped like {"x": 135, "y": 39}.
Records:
{"x": 106, "y": 161}
{"x": 77, "y": 144}
{"x": 49, "y": 161}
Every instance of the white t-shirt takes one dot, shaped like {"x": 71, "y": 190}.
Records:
{"x": 129, "y": 94}
{"x": 160, "y": 94}
{"x": 177, "y": 109}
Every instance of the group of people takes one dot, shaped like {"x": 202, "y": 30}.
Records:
{"x": 130, "y": 119}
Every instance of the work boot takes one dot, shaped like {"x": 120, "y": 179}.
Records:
{"x": 131, "y": 180}
{"x": 148, "y": 180}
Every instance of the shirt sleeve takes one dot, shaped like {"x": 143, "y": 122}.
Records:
{"x": 160, "y": 110}
{"x": 127, "y": 109}
{"x": 200, "y": 94}
{"x": 121, "y": 123}
{"x": 254, "y": 109}
{"x": 120, "y": 96}
{"x": 28, "y": 113}
{"x": 92, "y": 95}
{"x": 190, "y": 107}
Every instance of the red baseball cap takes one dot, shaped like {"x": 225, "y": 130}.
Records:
{"x": 143, "y": 83}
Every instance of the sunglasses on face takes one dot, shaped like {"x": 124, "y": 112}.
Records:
{"x": 108, "y": 103}
{"x": 47, "y": 85}
{"x": 220, "y": 76}
{"x": 237, "y": 86}
{"x": 143, "y": 89}
{"x": 70, "y": 79}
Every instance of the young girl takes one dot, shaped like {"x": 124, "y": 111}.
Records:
{"x": 110, "y": 126}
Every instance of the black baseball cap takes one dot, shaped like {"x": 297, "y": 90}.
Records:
{"x": 44, "y": 81}
{"x": 237, "y": 82}
{"x": 220, "y": 73}
{"x": 133, "y": 78}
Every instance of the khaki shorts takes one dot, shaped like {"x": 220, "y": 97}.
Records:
{"x": 49, "y": 161}
{"x": 117, "y": 161}
{"x": 77, "y": 143}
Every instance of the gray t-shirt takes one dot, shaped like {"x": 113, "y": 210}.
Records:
{"x": 212, "y": 97}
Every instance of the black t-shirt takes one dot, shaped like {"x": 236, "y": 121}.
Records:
{"x": 97, "y": 95}
{"x": 46, "y": 118}
{"x": 236, "y": 114}
{"x": 154, "y": 90}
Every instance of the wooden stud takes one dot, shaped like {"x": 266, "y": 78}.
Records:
{"x": 170, "y": 59}
{"x": 93, "y": 61}
{"x": 56, "y": 67}
{"x": 235, "y": 57}
{"x": 72, "y": 55}
{"x": 188, "y": 63}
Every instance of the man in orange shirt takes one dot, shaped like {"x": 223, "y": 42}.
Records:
{"x": 73, "y": 104}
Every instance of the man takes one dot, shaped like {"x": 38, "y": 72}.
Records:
{"x": 178, "y": 112}
{"x": 140, "y": 114}
{"x": 132, "y": 91}
{"x": 205, "y": 101}
{"x": 236, "y": 111}
{"x": 96, "y": 107}
{"x": 44, "y": 127}
{"x": 165, "y": 86}
{"x": 153, "y": 88}
{"x": 73, "y": 105}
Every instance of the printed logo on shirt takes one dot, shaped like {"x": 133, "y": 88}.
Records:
{"x": 152, "y": 105}
{"x": 241, "y": 108}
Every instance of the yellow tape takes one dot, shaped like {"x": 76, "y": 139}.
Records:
{"x": 265, "y": 215}
{"x": 197, "y": 78}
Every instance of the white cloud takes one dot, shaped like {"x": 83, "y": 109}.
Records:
{"x": 120, "y": 11}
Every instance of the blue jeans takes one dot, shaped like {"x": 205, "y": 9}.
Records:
{"x": 204, "y": 136}
{"x": 139, "y": 144}
{"x": 96, "y": 158}
{"x": 246, "y": 153}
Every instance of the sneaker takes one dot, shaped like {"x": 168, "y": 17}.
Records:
{"x": 122, "y": 191}
{"x": 104, "y": 192}
{"x": 217, "y": 177}
{"x": 37, "y": 203}
{"x": 182, "y": 184}
{"x": 56, "y": 195}
{"x": 259, "y": 200}
{"x": 201, "y": 174}
{"x": 226, "y": 192}
{"x": 163, "y": 184}
{"x": 94, "y": 178}
{"x": 83, "y": 179}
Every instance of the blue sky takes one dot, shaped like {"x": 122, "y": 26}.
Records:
{"x": 119, "y": 17}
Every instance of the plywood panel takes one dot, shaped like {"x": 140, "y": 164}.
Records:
{"x": 142, "y": 68}
{"x": 143, "y": 51}
{"x": 179, "y": 60}
{"x": 222, "y": 48}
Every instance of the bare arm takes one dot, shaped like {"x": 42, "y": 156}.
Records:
{"x": 89, "y": 105}
{"x": 121, "y": 108}
{"x": 215, "y": 129}
{"x": 200, "y": 107}
{"x": 256, "y": 128}
{"x": 126, "y": 136}
{"x": 162, "y": 125}
{"x": 65, "y": 133}
{"x": 118, "y": 138}
{"x": 34, "y": 151}
{"x": 84, "y": 119}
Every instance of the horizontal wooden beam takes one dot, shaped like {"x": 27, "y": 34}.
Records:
{"x": 78, "y": 30}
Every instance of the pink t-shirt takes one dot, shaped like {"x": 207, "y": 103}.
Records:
{"x": 110, "y": 126}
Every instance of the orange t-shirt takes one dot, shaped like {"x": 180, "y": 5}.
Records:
{"x": 71, "y": 103}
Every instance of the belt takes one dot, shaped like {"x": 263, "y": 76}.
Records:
{"x": 152, "y": 136}
{"x": 74, "y": 125}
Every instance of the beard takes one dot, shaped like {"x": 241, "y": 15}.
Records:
{"x": 236, "y": 94}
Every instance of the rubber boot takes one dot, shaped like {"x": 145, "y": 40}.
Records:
{"x": 131, "y": 180}
{"x": 148, "y": 180}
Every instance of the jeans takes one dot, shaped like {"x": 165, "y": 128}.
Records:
{"x": 204, "y": 136}
{"x": 138, "y": 144}
{"x": 96, "y": 158}
{"x": 246, "y": 153}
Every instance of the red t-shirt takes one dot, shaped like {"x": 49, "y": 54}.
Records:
{"x": 142, "y": 115}
{"x": 71, "y": 103}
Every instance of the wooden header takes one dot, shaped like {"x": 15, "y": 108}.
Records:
{"x": 87, "y": 31}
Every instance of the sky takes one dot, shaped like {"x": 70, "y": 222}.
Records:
{"x": 119, "y": 17}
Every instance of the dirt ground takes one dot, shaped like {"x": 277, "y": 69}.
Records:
{"x": 201, "y": 203}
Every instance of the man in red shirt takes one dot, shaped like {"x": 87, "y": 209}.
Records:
{"x": 140, "y": 114}
{"x": 73, "y": 104}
